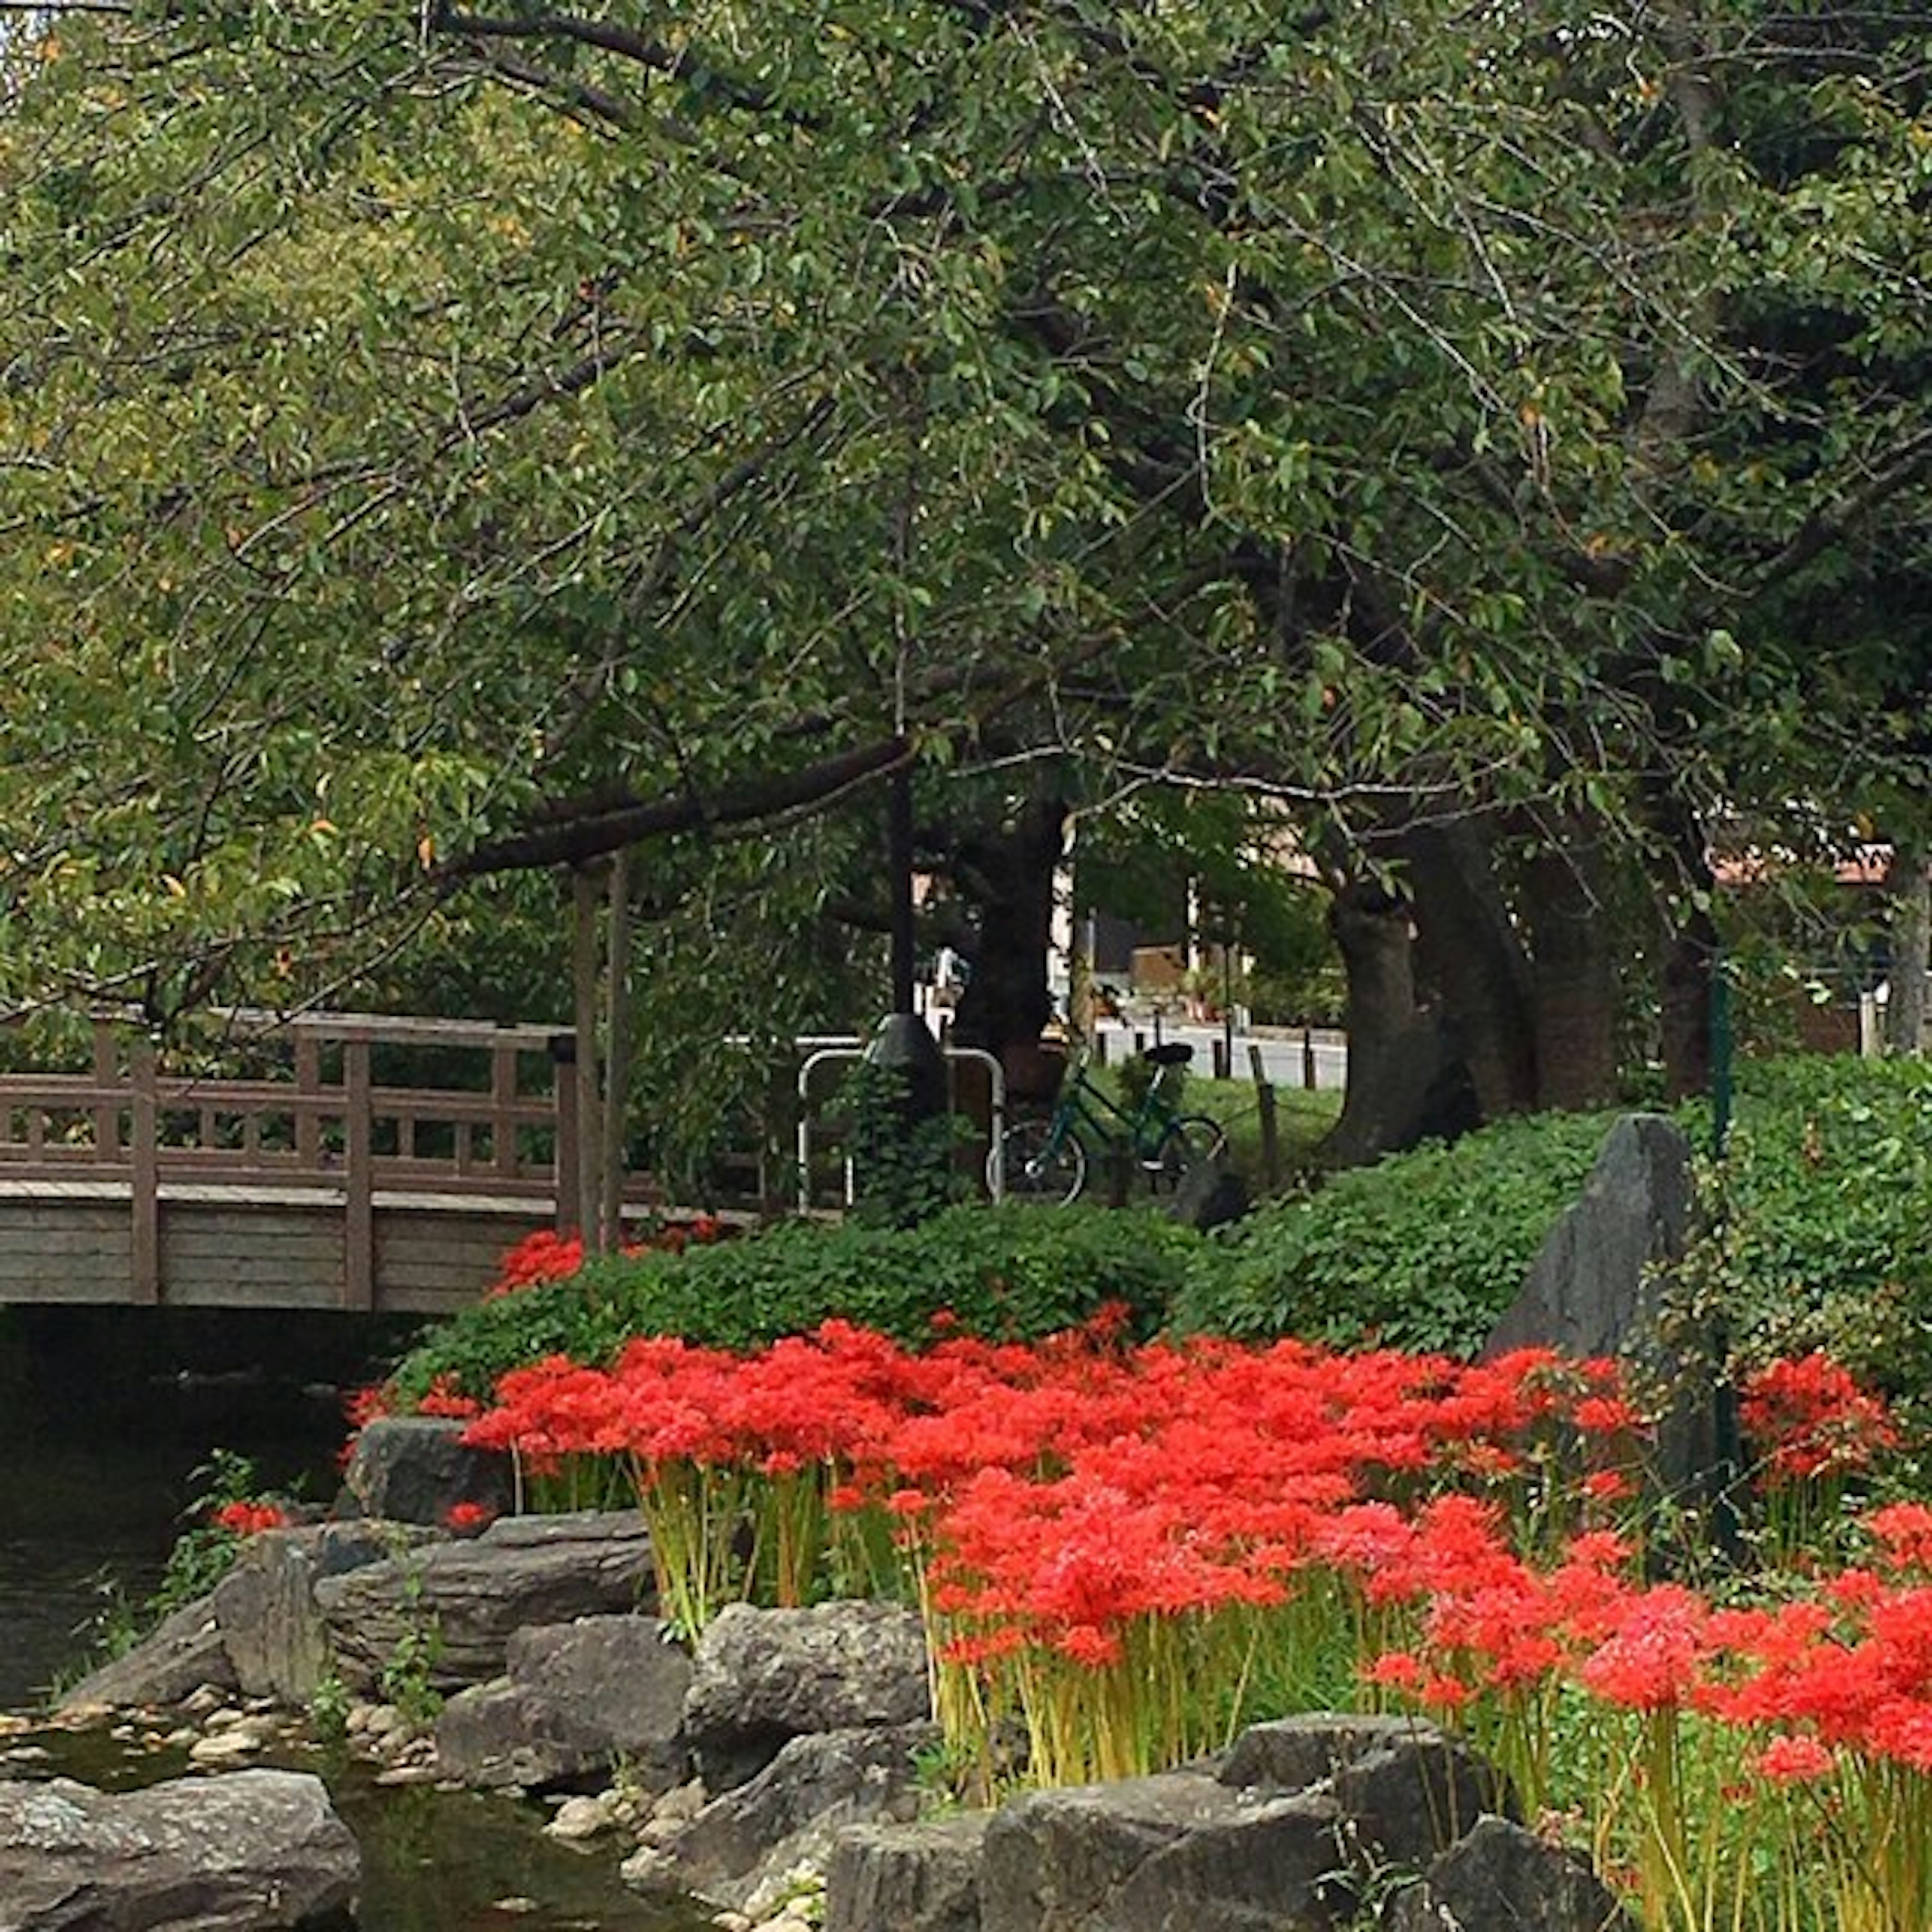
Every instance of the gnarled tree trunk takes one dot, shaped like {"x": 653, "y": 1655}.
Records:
{"x": 1470, "y": 954}
{"x": 1575, "y": 990}
{"x": 1406, "y": 1081}
{"x": 1911, "y": 886}
{"x": 1009, "y": 875}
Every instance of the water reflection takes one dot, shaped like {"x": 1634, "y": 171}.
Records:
{"x": 432, "y": 1860}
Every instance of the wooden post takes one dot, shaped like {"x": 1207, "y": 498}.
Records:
{"x": 569, "y": 1141}
{"x": 503, "y": 1101}
{"x": 1308, "y": 1059}
{"x": 145, "y": 1244}
{"x": 617, "y": 1059}
{"x": 1271, "y": 1126}
{"x": 1218, "y": 1053}
{"x": 308, "y": 1087}
{"x": 107, "y": 1110}
{"x": 585, "y": 965}
{"x": 359, "y": 1228}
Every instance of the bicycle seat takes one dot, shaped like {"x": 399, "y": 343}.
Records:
{"x": 1174, "y": 1053}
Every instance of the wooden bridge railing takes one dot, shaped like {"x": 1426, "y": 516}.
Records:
{"x": 346, "y": 1140}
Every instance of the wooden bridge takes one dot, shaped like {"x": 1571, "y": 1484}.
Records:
{"x": 311, "y": 1185}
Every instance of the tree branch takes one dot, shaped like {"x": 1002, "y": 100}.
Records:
{"x": 678, "y": 64}
{"x": 601, "y": 828}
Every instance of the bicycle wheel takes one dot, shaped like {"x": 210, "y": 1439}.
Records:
{"x": 1189, "y": 1140}
{"x": 1036, "y": 1169}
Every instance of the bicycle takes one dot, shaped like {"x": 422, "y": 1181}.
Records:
{"x": 1047, "y": 1160}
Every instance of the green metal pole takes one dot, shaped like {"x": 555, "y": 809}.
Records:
{"x": 1723, "y": 1045}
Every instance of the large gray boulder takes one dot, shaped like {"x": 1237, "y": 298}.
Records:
{"x": 245, "y": 1851}
{"x": 463, "y": 1601}
{"x": 789, "y": 1814}
{"x": 762, "y": 1677}
{"x": 417, "y": 1468}
{"x": 1403, "y": 1789}
{"x": 1153, "y": 1854}
{"x": 1500, "y": 1875}
{"x": 1592, "y": 1289}
{"x": 575, "y": 1699}
{"x": 183, "y": 1652}
{"x": 912, "y": 1878}
{"x": 271, "y": 1621}
{"x": 1281, "y": 1834}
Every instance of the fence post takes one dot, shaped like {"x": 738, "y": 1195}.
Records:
{"x": 107, "y": 1109}
{"x": 144, "y": 1242}
{"x": 1308, "y": 1069}
{"x": 1270, "y": 1126}
{"x": 503, "y": 1105}
{"x": 359, "y": 1134}
{"x": 308, "y": 1087}
{"x": 569, "y": 1144}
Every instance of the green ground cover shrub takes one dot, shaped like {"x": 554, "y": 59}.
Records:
{"x": 1817, "y": 1228}
{"x": 1820, "y": 1234}
{"x": 1422, "y": 1251}
{"x": 1017, "y": 1272}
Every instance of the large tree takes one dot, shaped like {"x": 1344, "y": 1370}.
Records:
{"x": 434, "y": 443}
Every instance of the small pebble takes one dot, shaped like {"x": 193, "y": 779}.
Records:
{"x": 223, "y": 1748}
{"x": 579, "y": 1818}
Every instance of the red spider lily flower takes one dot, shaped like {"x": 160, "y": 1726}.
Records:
{"x": 1089, "y": 1645}
{"x": 1397, "y": 1670}
{"x": 443, "y": 1398}
{"x": 1604, "y": 1415}
{"x": 363, "y": 1406}
{"x": 1446, "y": 1694}
{"x": 1650, "y": 1660}
{"x": 1607, "y": 1486}
{"x": 243, "y": 1517}
{"x": 1905, "y": 1529}
{"x": 1809, "y": 1418}
{"x": 545, "y": 1255}
{"x": 465, "y": 1519}
{"x": 1794, "y": 1759}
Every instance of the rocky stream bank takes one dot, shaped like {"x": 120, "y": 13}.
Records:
{"x": 776, "y": 1774}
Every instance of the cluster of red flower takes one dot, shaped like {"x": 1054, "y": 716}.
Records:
{"x": 548, "y": 1256}
{"x": 245, "y": 1517}
{"x": 1077, "y": 1505}
{"x": 1810, "y": 1419}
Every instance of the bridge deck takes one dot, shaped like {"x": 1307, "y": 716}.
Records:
{"x": 131, "y": 1184}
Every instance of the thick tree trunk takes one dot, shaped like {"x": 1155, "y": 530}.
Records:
{"x": 1690, "y": 964}
{"x": 1009, "y": 876}
{"x": 1911, "y": 884}
{"x": 1405, "y": 1080}
{"x": 1690, "y": 954}
{"x": 1576, "y": 995}
{"x": 1469, "y": 953}
{"x": 1372, "y": 931}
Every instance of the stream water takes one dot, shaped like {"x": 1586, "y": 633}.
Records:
{"x": 102, "y": 1439}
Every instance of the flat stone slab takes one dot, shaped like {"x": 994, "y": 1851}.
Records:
{"x": 181, "y": 1653}
{"x": 247, "y": 1851}
{"x": 476, "y": 1595}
